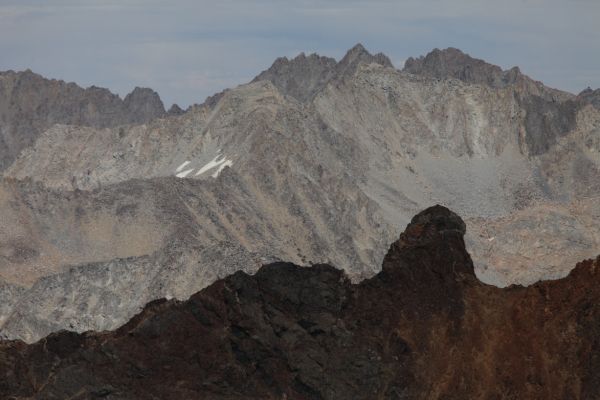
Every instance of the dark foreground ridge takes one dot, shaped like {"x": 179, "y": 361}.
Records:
{"x": 423, "y": 328}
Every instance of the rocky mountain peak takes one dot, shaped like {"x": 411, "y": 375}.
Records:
{"x": 435, "y": 230}
{"x": 304, "y": 76}
{"x": 175, "y": 110}
{"x": 453, "y": 63}
{"x": 143, "y": 104}
{"x": 30, "y": 104}
{"x": 430, "y": 224}
{"x": 358, "y": 54}
{"x": 300, "y": 77}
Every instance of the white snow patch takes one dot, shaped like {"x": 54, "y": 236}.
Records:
{"x": 182, "y": 166}
{"x": 184, "y": 173}
{"x": 227, "y": 163}
{"x": 211, "y": 164}
{"x": 491, "y": 239}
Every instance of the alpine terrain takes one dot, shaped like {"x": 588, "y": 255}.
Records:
{"x": 107, "y": 204}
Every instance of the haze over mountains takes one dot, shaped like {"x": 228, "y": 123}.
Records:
{"x": 108, "y": 204}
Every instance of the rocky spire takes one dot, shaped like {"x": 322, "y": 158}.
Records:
{"x": 143, "y": 104}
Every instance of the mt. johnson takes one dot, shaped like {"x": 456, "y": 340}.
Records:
{"x": 107, "y": 204}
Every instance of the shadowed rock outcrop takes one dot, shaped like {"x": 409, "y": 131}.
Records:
{"x": 547, "y": 121}
{"x": 423, "y": 328}
{"x": 453, "y": 63}
{"x": 30, "y": 104}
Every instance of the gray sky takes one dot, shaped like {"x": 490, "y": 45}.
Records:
{"x": 187, "y": 50}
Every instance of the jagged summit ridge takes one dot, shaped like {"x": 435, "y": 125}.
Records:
{"x": 453, "y": 63}
{"x": 30, "y": 104}
{"x": 359, "y": 54}
{"x": 304, "y": 76}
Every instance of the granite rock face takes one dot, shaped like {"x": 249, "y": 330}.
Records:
{"x": 424, "y": 327}
{"x": 30, "y": 104}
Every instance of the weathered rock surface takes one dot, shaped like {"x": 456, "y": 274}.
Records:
{"x": 328, "y": 178}
{"x": 30, "y": 104}
{"x": 422, "y": 328}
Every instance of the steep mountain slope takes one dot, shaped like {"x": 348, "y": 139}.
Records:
{"x": 422, "y": 328}
{"x": 172, "y": 237}
{"x": 30, "y": 104}
{"x": 325, "y": 174}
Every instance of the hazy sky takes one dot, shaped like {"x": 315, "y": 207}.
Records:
{"x": 187, "y": 50}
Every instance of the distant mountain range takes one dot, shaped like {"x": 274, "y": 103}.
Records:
{"x": 108, "y": 204}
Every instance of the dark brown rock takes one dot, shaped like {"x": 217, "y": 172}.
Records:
{"x": 423, "y": 328}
